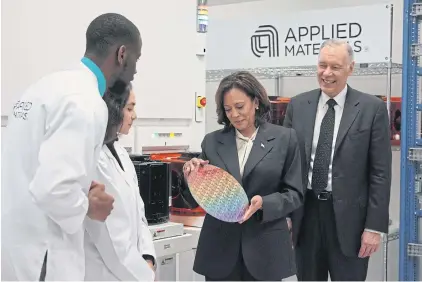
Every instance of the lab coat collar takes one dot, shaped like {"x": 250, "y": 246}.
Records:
{"x": 98, "y": 73}
{"x": 110, "y": 155}
{"x": 116, "y": 165}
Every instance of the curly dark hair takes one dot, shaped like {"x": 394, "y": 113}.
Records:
{"x": 246, "y": 82}
{"x": 115, "y": 99}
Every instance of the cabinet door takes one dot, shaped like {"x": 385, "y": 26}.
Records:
{"x": 185, "y": 262}
{"x": 166, "y": 268}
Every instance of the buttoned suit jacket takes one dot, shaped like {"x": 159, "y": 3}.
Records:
{"x": 273, "y": 170}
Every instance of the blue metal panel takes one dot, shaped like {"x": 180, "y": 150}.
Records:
{"x": 408, "y": 209}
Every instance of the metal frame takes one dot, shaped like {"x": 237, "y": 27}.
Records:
{"x": 411, "y": 158}
{"x": 383, "y": 68}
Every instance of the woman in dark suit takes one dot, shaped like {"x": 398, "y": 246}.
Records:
{"x": 265, "y": 159}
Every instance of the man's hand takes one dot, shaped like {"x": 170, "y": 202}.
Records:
{"x": 151, "y": 264}
{"x": 100, "y": 203}
{"x": 153, "y": 268}
{"x": 289, "y": 225}
{"x": 256, "y": 204}
{"x": 369, "y": 244}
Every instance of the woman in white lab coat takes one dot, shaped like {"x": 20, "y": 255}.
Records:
{"x": 120, "y": 248}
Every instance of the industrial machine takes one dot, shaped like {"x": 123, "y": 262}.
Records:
{"x": 154, "y": 187}
{"x": 171, "y": 243}
{"x": 395, "y": 119}
{"x": 182, "y": 202}
{"x": 278, "y": 109}
{"x": 181, "y": 205}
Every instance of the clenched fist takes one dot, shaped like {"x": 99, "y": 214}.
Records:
{"x": 100, "y": 203}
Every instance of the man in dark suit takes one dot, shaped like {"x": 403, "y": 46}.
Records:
{"x": 345, "y": 145}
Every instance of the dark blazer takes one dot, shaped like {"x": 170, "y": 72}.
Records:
{"x": 361, "y": 176}
{"x": 273, "y": 170}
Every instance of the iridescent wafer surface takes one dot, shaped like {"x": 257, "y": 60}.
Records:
{"x": 218, "y": 193}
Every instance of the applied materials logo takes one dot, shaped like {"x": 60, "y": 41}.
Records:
{"x": 264, "y": 42}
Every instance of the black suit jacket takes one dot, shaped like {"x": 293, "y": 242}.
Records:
{"x": 273, "y": 170}
{"x": 361, "y": 176}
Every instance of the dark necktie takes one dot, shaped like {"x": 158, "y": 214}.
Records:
{"x": 323, "y": 151}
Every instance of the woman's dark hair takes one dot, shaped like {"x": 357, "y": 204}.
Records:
{"x": 246, "y": 82}
{"x": 115, "y": 100}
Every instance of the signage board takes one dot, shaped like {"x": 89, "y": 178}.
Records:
{"x": 275, "y": 39}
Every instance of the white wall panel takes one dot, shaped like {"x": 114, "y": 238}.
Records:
{"x": 47, "y": 35}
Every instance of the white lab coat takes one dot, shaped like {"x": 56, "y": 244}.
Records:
{"x": 114, "y": 248}
{"x": 51, "y": 148}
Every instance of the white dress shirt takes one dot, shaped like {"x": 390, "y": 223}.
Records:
{"x": 321, "y": 110}
{"x": 244, "y": 147}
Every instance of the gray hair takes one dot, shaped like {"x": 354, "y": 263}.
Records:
{"x": 338, "y": 42}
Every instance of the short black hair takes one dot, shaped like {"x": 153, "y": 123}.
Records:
{"x": 108, "y": 30}
{"x": 246, "y": 82}
{"x": 116, "y": 100}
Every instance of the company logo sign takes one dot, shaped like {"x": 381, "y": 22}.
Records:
{"x": 303, "y": 40}
{"x": 21, "y": 109}
{"x": 265, "y": 40}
